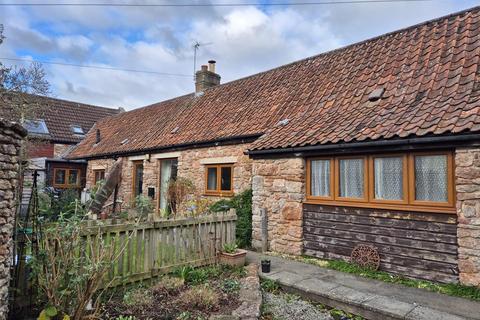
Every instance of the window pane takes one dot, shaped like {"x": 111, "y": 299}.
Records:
{"x": 320, "y": 178}
{"x": 60, "y": 176}
{"x": 212, "y": 179}
{"x": 99, "y": 175}
{"x": 431, "y": 178}
{"x": 351, "y": 178}
{"x": 168, "y": 172}
{"x": 138, "y": 179}
{"x": 388, "y": 178}
{"x": 73, "y": 177}
{"x": 226, "y": 176}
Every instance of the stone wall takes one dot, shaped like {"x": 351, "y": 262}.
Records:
{"x": 278, "y": 187}
{"x": 467, "y": 182}
{"x": 11, "y": 136}
{"x": 191, "y": 165}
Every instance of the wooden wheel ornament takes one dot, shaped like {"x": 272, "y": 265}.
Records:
{"x": 366, "y": 256}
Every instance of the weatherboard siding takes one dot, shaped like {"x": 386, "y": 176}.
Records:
{"x": 420, "y": 245}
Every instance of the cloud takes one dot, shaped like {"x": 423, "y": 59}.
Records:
{"x": 244, "y": 40}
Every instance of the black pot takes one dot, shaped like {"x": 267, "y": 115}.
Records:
{"x": 265, "y": 266}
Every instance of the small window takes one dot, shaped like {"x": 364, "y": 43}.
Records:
{"x": 352, "y": 178}
{"x": 388, "y": 178}
{"x": 137, "y": 178}
{"x": 78, "y": 130}
{"x": 431, "y": 178}
{"x": 219, "y": 180}
{"x": 60, "y": 175}
{"x": 36, "y": 126}
{"x": 73, "y": 177}
{"x": 99, "y": 175}
{"x": 320, "y": 177}
{"x": 212, "y": 179}
{"x": 66, "y": 178}
{"x": 400, "y": 181}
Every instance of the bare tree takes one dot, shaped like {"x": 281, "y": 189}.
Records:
{"x": 19, "y": 87}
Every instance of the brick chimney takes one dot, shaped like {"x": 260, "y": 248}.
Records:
{"x": 206, "y": 77}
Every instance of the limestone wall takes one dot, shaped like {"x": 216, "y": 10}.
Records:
{"x": 11, "y": 136}
{"x": 278, "y": 187}
{"x": 467, "y": 182}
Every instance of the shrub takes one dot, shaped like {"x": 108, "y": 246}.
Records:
{"x": 170, "y": 284}
{"x": 68, "y": 271}
{"x": 242, "y": 203}
{"x": 269, "y": 286}
{"x": 230, "y": 285}
{"x": 177, "y": 194}
{"x": 201, "y": 297}
{"x": 138, "y": 297}
{"x": 143, "y": 205}
{"x": 230, "y": 247}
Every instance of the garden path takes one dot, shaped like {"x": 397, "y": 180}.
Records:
{"x": 369, "y": 298}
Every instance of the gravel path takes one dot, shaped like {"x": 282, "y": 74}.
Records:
{"x": 284, "y": 306}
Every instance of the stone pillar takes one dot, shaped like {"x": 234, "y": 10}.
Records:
{"x": 467, "y": 182}
{"x": 279, "y": 188}
{"x": 11, "y": 136}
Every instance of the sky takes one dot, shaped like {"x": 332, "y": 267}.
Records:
{"x": 243, "y": 40}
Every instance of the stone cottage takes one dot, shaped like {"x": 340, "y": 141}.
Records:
{"x": 374, "y": 143}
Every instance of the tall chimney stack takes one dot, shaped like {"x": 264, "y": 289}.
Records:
{"x": 206, "y": 77}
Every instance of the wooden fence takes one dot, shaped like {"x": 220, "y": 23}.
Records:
{"x": 144, "y": 250}
{"x": 148, "y": 249}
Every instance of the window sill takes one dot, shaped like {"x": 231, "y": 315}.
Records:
{"x": 219, "y": 194}
{"x": 399, "y": 207}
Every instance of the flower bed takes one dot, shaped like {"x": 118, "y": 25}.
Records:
{"x": 187, "y": 293}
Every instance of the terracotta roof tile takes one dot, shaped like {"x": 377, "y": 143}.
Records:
{"x": 59, "y": 115}
{"x": 430, "y": 72}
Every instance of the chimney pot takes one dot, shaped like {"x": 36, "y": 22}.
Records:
{"x": 211, "y": 65}
{"x": 98, "y": 138}
{"x": 206, "y": 77}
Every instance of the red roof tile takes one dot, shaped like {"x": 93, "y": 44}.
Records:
{"x": 59, "y": 115}
{"x": 430, "y": 72}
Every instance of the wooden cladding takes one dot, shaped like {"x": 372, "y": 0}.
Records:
{"x": 407, "y": 181}
{"x": 414, "y": 244}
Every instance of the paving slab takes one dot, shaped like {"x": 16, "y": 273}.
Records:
{"x": 370, "y": 298}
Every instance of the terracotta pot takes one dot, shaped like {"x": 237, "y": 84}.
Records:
{"x": 236, "y": 259}
{"x": 103, "y": 215}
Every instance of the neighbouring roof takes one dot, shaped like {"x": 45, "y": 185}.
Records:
{"x": 54, "y": 119}
{"x": 418, "y": 81}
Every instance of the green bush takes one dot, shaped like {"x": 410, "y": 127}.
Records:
{"x": 242, "y": 203}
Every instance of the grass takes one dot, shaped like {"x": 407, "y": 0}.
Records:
{"x": 451, "y": 289}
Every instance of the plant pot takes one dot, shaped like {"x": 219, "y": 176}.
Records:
{"x": 236, "y": 259}
{"x": 265, "y": 266}
{"x": 103, "y": 216}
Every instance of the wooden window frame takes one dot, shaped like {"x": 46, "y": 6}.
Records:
{"x": 450, "y": 181}
{"x": 365, "y": 179}
{"x": 407, "y": 204}
{"x": 309, "y": 179}
{"x": 66, "y": 185}
{"x": 218, "y": 192}
{"x": 159, "y": 180}
{"x": 405, "y": 181}
{"x": 95, "y": 171}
